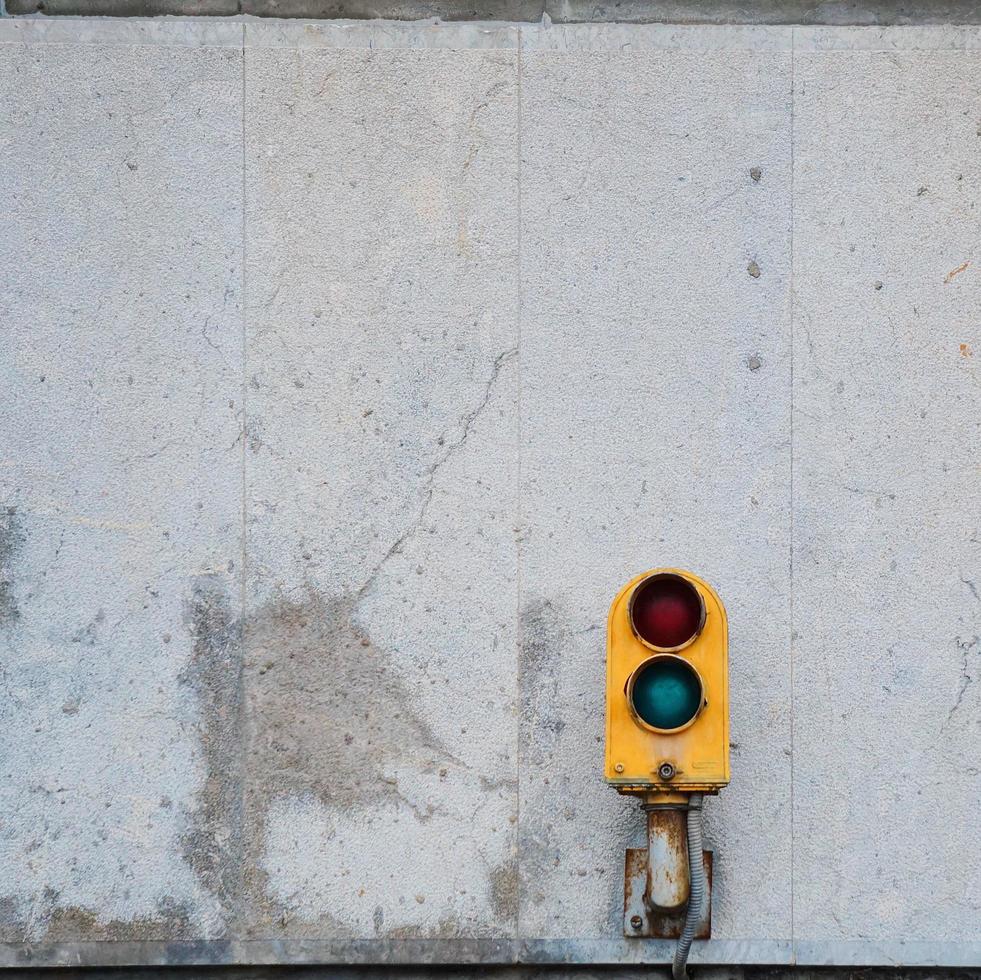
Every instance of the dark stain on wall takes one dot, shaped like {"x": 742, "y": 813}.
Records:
{"x": 544, "y": 632}
{"x": 213, "y": 671}
{"x": 327, "y": 713}
{"x": 11, "y": 540}
{"x": 504, "y": 890}
{"x": 74, "y": 923}
{"x": 71, "y": 923}
{"x": 294, "y": 700}
{"x": 327, "y": 708}
{"x": 212, "y": 843}
{"x": 545, "y": 640}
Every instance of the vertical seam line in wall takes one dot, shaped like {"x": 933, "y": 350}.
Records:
{"x": 519, "y": 705}
{"x": 793, "y": 102}
{"x": 239, "y": 905}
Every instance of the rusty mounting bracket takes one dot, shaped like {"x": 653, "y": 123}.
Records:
{"x": 642, "y": 921}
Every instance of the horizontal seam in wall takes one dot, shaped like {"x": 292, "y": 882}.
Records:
{"x": 537, "y": 40}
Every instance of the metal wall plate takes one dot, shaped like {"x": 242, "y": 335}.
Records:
{"x": 639, "y": 922}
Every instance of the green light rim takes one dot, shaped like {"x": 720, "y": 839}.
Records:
{"x": 629, "y": 691}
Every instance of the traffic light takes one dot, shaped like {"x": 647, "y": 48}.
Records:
{"x": 667, "y": 696}
{"x": 667, "y": 742}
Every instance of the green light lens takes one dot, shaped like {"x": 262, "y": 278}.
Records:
{"x": 667, "y": 693}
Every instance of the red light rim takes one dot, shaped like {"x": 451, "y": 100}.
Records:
{"x": 639, "y": 587}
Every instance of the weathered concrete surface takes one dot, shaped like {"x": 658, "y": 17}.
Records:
{"x": 518, "y": 323}
{"x": 120, "y": 538}
{"x": 887, "y": 655}
{"x": 382, "y": 203}
{"x": 655, "y": 403}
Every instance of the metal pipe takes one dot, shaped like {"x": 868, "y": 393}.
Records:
{"x": 696, "y": 897}
{"x": 667, "y": 857}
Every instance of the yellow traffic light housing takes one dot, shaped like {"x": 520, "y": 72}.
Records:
{"x": 667, "y": 691}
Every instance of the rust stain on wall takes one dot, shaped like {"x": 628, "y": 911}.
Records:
{"x": 956, "y": 272}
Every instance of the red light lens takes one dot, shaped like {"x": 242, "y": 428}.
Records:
{"x": 666, "y": 611}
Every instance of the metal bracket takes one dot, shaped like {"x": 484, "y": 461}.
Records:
{"x": 642, "y": 922}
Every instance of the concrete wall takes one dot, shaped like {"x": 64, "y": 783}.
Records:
{"x": 350, "y": 369}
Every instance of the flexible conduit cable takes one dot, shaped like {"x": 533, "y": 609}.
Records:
{"x": 696, "y": 873}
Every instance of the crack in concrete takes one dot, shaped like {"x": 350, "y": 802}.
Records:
{"x": 966, "y": 680}
{"x": 464, "y": 425}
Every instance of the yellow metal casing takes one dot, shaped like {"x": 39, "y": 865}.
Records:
{"x": 699, "y": 752}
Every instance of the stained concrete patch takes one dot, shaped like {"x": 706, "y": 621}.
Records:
{"x": 326, "y": 718}
{"x": 505, "y": 883}
{"x": 353, "y": 797}
{"x": 212, "y": 845}
{"x": 11, "y": 539}
{"x": 381, "y": 482}
{"x": 121, "y": 374}
{"x": 544, "y": 630}
{"x": 548, "y": 632}
{"x": 67, "y": 923}
{"x": 560, "y": 743}
{"x": 327, "y": 711}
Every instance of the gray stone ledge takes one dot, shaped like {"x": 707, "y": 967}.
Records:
{"x": 127, "y": 33}
{"x": 510, "y": 971}
{"x": 298, "y": 952}
{"x": 785, "y": 12}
